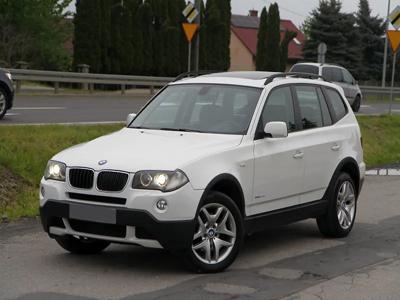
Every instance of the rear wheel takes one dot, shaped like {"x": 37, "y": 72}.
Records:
{"x": 340, "y": 216}
{"x": 357, "y": 104}
{"x": 218, "y": 234}
{"x": 81, "y": 245}
{"x": 3, "y": 102}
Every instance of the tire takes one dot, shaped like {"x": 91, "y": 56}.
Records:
{"x": 3, "y": 102}
{"x": 226, "y": 229}
{"x": 357, "y": 104}
{"x": 81, "y": 245}
{"x": 342, "y": 198}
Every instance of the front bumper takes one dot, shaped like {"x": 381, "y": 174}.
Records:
{"x": 140, "y": 227}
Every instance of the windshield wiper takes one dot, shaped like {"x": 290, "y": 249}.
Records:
{"x": 180, "y": 129}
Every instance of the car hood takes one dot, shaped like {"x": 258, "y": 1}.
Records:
{"x": 131, "y": 150}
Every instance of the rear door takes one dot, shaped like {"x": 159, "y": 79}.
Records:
{"x": 320, "y": 143}
{"x": 349, "y": 86}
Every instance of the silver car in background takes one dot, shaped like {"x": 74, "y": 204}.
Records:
{"x": 337, "y": 75}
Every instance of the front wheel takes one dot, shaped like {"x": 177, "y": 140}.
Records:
{"x": 218, "y": 234}
{"x": 81, "y": 245}
{"x": 342, "y": 206}
{"x": 357, "y": 104}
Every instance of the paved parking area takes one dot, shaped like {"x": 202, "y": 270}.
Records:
{"x": 291, "y": 262}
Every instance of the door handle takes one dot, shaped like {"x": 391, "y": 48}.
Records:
{"x": 335, "y": 147}
{"x": 298, "y": 155}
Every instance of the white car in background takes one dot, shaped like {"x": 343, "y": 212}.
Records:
{"x": 337, "y": 75}
{"x": 208, "y": 160}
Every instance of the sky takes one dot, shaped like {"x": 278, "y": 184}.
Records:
{"x": 298, "y": 10}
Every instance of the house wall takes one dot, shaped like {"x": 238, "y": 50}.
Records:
{"x": 241, "y": 57}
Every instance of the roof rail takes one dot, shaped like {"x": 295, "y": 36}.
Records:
{"x": 193, "y": 74}
{"x": 294, "y": 74}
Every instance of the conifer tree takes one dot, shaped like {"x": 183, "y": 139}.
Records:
{"x": 273, "y": 54}
{"x": 261, "y": 42}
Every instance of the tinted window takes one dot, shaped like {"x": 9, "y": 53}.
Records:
{"x": 305, "y": 69}
{"x": 326, "y": 116}
{"x": 337, "y": 103}
{"x": 279, "y": 107}
{"x": 347, "y": 77}
{"x": 332, "y": 74}
{"x": 310, "y": 108}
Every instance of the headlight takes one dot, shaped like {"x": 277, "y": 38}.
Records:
{"x": 55, "y": 170}
{"x": 165, "y": 181}
{"x": 8, "y": 74}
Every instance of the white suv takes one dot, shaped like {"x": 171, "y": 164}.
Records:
{"x": 208, "y": 160}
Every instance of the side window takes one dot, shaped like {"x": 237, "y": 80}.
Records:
{"x": 279, "y": 107}
{"x": 326, "y": 116}
{"x": 305, "y": 69}
{"x": 337, "y": 103}
{"x": 347, "y": 78}
{"x": 310, "y": 108}
{"x": 337, "y": 75}
{"x": 327, "y": 73}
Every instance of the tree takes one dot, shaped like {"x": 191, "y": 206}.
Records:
{"x": 215, "y": 35}
{"x": 87, "y": 49}
{"x": 145, "y": 18}
{"x": 273, "y": 55}
{"x": 371, "y": 30}
{"x": 35, "y": 31}
{"x": 288, "y": 37}
{"x": 329, "y": 25}
{"x": 261, "y": 42}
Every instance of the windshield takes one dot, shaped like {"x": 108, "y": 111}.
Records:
{"x": 207, "y": 108}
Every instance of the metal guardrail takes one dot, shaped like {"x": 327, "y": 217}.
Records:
{"x": 87, "y": 80}
{"x": 378, "y": 90}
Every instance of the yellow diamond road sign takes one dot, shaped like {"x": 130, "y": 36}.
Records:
{"x": 394, "y": 17}
{"x": 190, "y": 12}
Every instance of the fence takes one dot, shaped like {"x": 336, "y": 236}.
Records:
{"x": 86, "y": 80}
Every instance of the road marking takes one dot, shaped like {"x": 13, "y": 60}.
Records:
{"x": 39, "y": 108}
{"x": 365, "y": 106}
{"x": 11, "y": 114}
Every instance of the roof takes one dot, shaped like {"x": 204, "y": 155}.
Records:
{"x": 246, "y": 29}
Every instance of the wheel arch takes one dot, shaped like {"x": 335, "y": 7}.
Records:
{"x": 5, "y": 87}
{"x": 228, "y": 185}
{"x": 350, "y": 166}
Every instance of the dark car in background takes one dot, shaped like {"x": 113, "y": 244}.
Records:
{"x": 335, "y": 74}
{"x": 6, "y": 92}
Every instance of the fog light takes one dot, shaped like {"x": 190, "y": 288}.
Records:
{"x": 162, "y": 204}
{"x": 42, "y": 191}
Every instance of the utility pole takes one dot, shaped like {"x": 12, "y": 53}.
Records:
{"x": 197, "y": 44}
{"x": 386, "y": 48}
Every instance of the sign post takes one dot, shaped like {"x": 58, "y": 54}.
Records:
{"x": 190, "y": 30}
{"x": 322, "y": 48}
{"x": 190, "y": 13}
{"x": 394, "y": 38}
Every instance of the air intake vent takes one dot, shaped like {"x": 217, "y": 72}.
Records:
{"x": 111, "y": 181}
{"x": 81, "y": 178}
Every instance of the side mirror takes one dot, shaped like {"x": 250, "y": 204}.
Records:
{"x": 129, "y": 119}
{"x": 276, "y": 130}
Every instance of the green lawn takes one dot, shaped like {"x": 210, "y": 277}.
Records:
{"x": 25, "y": 150}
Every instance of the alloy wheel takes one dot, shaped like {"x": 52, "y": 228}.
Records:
{"x": 215, "y": 234}
{"x": 345, "y": 205}
{"x": 2, "y": 103}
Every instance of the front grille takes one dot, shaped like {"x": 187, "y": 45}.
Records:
{"x": 98, "y": 228}
{"x": 111, "y": 181}
{"x": 81, "y": 178}
{"x": 95, "y": 198}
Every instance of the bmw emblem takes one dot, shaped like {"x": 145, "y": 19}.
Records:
{"x": 102, "y": 162}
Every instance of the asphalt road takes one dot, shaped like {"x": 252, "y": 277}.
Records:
{"x": 99, "y": 109}
{"x": 291, "y": 262}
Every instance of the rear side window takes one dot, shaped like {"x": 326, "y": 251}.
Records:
{"x": 279, "y": 107}
{"x": 337, "y": 103}
{"x": 310, "y": 107}
{"x": 326, "y": 116}
{"x": 305, "y": 69}
{"x": 347, "y": 77}
{"x": 332, "y": 74}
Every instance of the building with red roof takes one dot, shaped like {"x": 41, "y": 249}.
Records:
{"x": 243, "y": 45}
